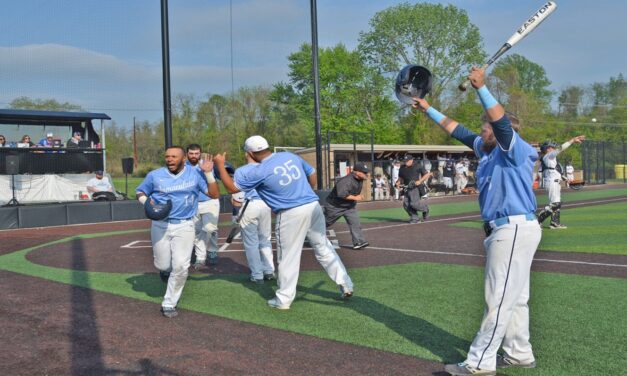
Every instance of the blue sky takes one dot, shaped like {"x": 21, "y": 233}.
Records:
{"x": 106, "y": 55}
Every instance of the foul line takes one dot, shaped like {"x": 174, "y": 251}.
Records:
{"x": 483, "y": 256}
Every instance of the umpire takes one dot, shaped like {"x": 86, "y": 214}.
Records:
{"x": 342, "y": 202}
{"x": 414, "y": 178}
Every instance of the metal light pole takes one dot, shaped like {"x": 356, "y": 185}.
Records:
{"x": 165, "y": 59}
{"x": 316, "y": 79}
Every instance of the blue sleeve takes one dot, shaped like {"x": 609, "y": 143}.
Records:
{"x": 146, "y": 187}
{"x": 306, "y": 167}
{"x": 503, "y": 132}
{"x": 464, "y": 135}
{"x": 246, "y": 179}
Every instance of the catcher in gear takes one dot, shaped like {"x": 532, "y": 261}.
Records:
{"x": 552, "y": 178}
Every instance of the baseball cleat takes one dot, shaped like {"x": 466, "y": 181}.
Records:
{"x": 164, "y": 276}
{"x": 345, "y": 291}
{"x": 275, "y": 303}
{"x": 361, "y": 245}
{"x": 213, "y": 258}
{"x": 169, "y": 312}
{"x": 198, "y": 265}
{"x": 460, "y": 369}
{"x": 504, "y": 361}
{"x": 257, "y": 281}
{"x": 557, "y": 226}
{"x": 269, "y": 276}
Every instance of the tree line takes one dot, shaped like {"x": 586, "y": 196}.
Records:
{"x": 356, "y": 95}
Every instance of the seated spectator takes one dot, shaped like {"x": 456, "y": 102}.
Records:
{"x": 100, "y": 188}
{"x": 26, "y": 140}
{"x": 3, "y": 142}
{"x": 47, "y": 142}
{"x": 74, "y": 141}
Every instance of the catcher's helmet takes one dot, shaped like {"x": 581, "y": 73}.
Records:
{"x": 412, "y": 81}
{"x": 548, "y": 144}
{"x": 157, "y": 212}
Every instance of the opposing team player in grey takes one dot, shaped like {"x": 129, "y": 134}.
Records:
{"x": 173, "y": 236}
{"x": 552, "y": 179}
{"x": 284, "y": 182}
{"x": 507, "y": 203}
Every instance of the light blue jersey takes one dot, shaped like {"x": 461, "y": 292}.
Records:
{"x": 505, "y": 179}
{"x": 183, "y": 189}
{"x": 252, "y": 193}
{"x": 281, "y": 180}
{"x": 202, "y": 196}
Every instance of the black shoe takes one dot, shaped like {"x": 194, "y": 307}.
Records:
{"x": 169, "y": 312}
{"x": 361, "y": 245}
{"x": 164, "y": 276}
{"x": 269, "y": 277}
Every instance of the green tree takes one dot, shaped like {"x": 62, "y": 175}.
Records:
{"x": 439, "y": 37}
{"x": 517, "y": 72}
{"x": 26, "y": 103}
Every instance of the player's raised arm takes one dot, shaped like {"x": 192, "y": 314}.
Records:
{"x": 450, "y": 126}
{"x": 207, "y": 166}
{"x": 219, "y": 161}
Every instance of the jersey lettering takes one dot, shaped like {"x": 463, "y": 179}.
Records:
{"x": 288, "y": 172}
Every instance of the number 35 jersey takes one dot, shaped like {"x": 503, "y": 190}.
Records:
{"x": 281, "y": 180}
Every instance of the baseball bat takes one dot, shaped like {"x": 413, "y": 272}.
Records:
{"x": 525, "y": 29}
{"x": 234, "y": 230}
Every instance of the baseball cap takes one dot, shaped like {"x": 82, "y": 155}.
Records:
{"x": 408, "y": 157}
{"x": 361, "y": 167}
{"x": 99, "y": 172}
{"x": 50, "y": 135}
{"x": 255, "y": 144}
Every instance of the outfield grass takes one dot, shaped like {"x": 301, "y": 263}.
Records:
{"x": 591, "y": 229}
{"x": 429, "y": 311}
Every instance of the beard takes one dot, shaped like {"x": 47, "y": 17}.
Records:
{"x": 488, "y": 145}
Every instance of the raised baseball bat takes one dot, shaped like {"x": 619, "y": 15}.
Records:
{"x": 525, "y": 29}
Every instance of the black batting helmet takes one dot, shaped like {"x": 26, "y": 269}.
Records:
{"x": 157, "y": 212}
{"x": 412, "y": 81}
{"x": 229, "y": 170}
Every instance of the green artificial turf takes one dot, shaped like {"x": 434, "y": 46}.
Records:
{"x": 591, "y": 229}
{"x": 426, "y": 310}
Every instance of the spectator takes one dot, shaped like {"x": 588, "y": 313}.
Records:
{"x": 447, "y": 178}
{"x": 460, "y": 176}
{"x": 570, "y": 172}
{"x": 100, "y": 187}
{"x": 342, "y": 202}
{"x": 395, "y": 169}
{"x": 3, "y": 142}
{"x": 380, "y": 188}
{"x": 73, "y": 142}
{"x": 26, "y": 140}
{"x": 48, "y": 141}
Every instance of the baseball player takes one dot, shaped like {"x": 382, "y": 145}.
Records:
{"x": 284, "y": 182}
{"x": 342, "y": 202}
{"x": 507, "y": 203}
{"x": 206, "y": 219}
{"x": 256, "y": 229}
{"x": 395, "y": 168}
{"x": 460, "y": 176}
{"x": 173, "y": 237}
{"x": 447, "y": 176}
{"x": 552, "y": 178}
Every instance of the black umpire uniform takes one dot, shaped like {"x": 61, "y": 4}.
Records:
{"x": 415, "y": 197}
{"x": 337, "y": 205}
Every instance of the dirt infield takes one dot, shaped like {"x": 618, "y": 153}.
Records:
{"x": 57, "y": 329}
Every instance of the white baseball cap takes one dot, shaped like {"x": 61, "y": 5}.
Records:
{"x": 255, "y": 143}
{"x": 50, "y": 135}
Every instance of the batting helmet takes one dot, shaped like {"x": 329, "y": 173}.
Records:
{"x": 412, "y": 81}
{"x": 157, "y": 212}
{"x": 548, "y": 144}
{"x": 229, "y": 169}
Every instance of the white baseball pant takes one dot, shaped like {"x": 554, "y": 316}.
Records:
{"x": 509, "y": 253}
{"x": 292, "y": 227}
{"x": 256, "y": 228}
{"x": 206, "y": 228}
{"x": 460, "y": 182}
{"x": 172, "y": 251}
{"x": 555, "y": 190}
{"x": 448, "y": 182}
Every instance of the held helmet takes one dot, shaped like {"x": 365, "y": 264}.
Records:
{"x": 157, "y": 212}
{"x": 412, "y": 81}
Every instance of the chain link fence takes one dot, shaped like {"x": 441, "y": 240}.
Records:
{"x": 604, "y": 162}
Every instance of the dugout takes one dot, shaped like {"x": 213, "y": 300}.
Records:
{"x": 338, "y": 158}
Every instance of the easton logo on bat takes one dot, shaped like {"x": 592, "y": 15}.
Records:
{"x": 535, "y": 17}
